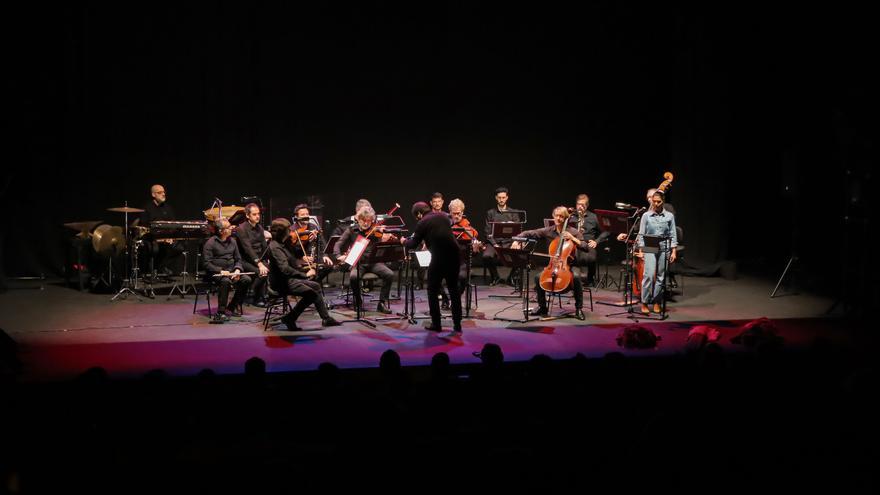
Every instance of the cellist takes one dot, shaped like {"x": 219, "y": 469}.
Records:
{"x": 560, "y": 214}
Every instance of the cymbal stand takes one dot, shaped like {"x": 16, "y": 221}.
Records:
{"x": 181, "y": 286}
{"x": 130, "y": 284}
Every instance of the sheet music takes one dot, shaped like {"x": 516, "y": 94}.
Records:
{"x": 423, "y": 258}
{"x": 357, "y": 249}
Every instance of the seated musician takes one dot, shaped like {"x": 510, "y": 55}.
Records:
{"x": 501, "y": 213}
{"x": 221, "y": 256}
{"x": 586, "y": 222}
{"x": 313, "y": 242}
{"x": 253, "y": 249}
{"x": 366, "y": 217}
{"x": 163, "y": 254}
{"x": 343, "y": 224}
{"x": 560, "y": 213}
{"x": 289, "y": 275}
{"x": 465, "y": 234}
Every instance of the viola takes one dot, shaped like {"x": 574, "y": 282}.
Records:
{"x": 556, "y": 277}
{"x": 469, "y": 233}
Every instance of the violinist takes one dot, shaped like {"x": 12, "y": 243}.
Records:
{"x": 252, "y": 246}
{"x": 311, "y": 239}
{"x": 365, "y": 226}
{"x": 468, "y": 233}
{"x": 657, "y": 221}
{"x": 560, "y": 214}
{"x": 344, "y": 223}
{"x": 289, "y": 276}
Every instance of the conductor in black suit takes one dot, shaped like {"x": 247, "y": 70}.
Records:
{"x": 435, "y": 229}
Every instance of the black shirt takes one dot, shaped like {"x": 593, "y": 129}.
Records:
{"x": 285, "y": 264}
{"x": 435, "y": 229}
{"x": 221, "y": 255}
{"x": 152, "y": 213}
{"x": 251, "y": 241}
{"x": 588, "y": 226}
{"x": 550, "y": 233}
{"x": 496, "y": 215}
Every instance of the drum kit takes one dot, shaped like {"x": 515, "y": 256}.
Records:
{"x": 109, "y": 242}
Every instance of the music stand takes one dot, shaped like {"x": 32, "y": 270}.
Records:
{"x": 382, "y": 252}
{"x": 613, "y": 221}
{"x": 414, "y": 261}
{"x": 502, "y": 231}
{"x": 518, "y": 259}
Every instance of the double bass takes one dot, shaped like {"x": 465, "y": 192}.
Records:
{"x": 556, "y": 277}
{"x": 639, "y": 261}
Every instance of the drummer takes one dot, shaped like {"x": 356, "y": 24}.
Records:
{"x": 164, "y": 255}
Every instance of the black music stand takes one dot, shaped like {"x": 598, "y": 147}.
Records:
{"x": 518, "y": 259}
{"x": 505, "y": 231}
{"x": 414, "y": 261}
{"x": 614, "y": 221}
{"x": 382, "y": 253}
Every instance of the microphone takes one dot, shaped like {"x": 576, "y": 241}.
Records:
{"x": 623, "y": 206}
{"x": 522, "y": 239}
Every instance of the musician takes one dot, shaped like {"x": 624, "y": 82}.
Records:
{"x": 221, "y": 256}
{"x": 650, "y": 194}
{"x": 560, "y": 213}
{"x": 344, "y": 224}
{"x": 314, "y": 244}
{"x": 586, "y": 222}
{"x": 501, "y": 213}
{"x": 434, "y": 229}
{"x": 456, "y": 213}
{"x": 657, "y": 221}
{"x": 365, "y": 219}
{"x": 252, "y": 246}
{"x": 437, "y": 202}
{"x": 165, "y": 253}
{"x": 289, "y": 275}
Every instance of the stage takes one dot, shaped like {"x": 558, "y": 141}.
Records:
{"x": 59, "y": 332}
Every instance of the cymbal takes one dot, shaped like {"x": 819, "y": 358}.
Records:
{"x": 226, "y": 211}
{"x": 125, "y": 209}
{"x": 108, "y": 240}
{"x": 83, "y": 227}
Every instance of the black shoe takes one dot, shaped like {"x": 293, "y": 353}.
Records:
{"x": 383, "y": 308}
{"x": 290, "y": 322}
{"x": 541, "y": 311}
{"x": 330, "y": 322}
{"x": 495, "y": 281}
{"x": 219, "y": 318}
{"x": 579, "y": 314}
{"x": 429, "y": 326}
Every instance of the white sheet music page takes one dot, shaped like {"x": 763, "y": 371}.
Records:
{"x": 357, "y": 249}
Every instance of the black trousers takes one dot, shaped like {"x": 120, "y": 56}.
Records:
{"x": 577, "y": 287}
{"x": 226, "y": 283}
{"x": 436, "y": 275}
{"x": 258, "y": 284}
{"x": 164, "y": 256}
{"x": 587, "y": 262}
{"x": 309, "y": 292}
{"x": 381, "y": 270}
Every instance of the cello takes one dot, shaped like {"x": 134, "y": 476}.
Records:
{"x": 556, "y": 277}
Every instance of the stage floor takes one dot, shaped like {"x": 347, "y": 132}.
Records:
{"x": 59, "y": 332}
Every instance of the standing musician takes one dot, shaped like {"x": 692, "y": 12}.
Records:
{"x": 310, "y": 245}
{"x": 288, "y": 275}
{"x": 163, "y": 253}
{"x": 560, "y": 213}
{"x": 586, "y": 222}
{"x": 434, "y": 229}
{"x": 365, "y": 220}
{"x": 501, "y": 213}
{"x": 436, "y": 207}
{"x": 657, "y": 221}
{"x": 253, "y": 249}
{"x": 221, "y": 256}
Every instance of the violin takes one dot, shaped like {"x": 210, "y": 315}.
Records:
{"x": 374, "y": 232}
{"x": 464, "y": 231}
{"x": 557, "y": 276}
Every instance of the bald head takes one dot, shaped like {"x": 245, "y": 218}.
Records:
{"x": 158, "y": 194}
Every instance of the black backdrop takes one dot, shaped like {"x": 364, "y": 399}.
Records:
{"x": 756, "y": 112}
